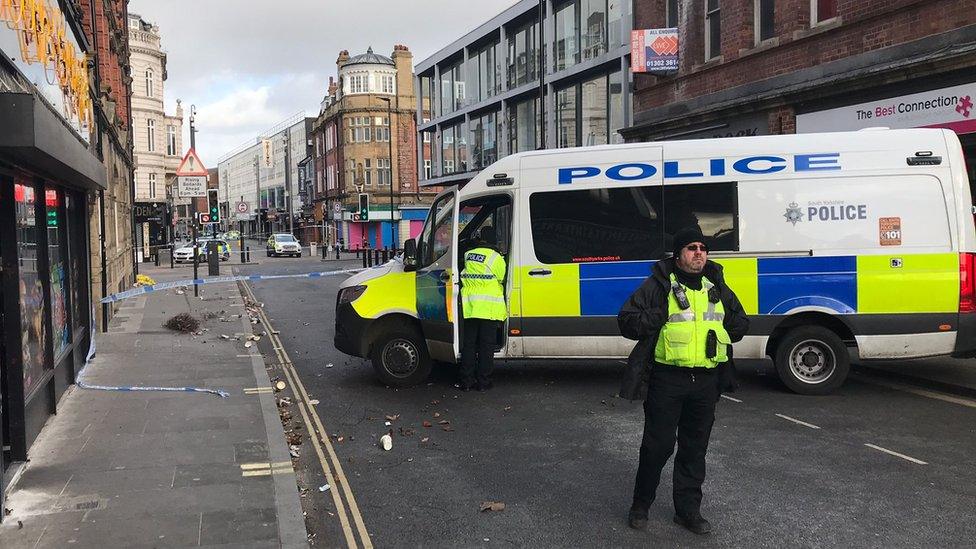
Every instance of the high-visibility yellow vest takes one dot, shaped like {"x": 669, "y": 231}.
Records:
{"x": 682, "y": 339}
{"x": 482, "y": 289}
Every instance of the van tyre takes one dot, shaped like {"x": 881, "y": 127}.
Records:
{"x": 400, "y": 357}
{"x": 812, "y": 360}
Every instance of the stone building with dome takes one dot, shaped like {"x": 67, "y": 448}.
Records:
{"x": 370, "y": 102}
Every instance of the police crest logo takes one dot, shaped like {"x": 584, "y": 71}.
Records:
{"x": 793, "y": 213}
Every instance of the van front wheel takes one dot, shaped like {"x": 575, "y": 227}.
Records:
{"x": 400, "y": 358}
{"x": 812, "y": 360}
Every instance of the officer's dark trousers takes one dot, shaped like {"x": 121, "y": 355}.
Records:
{"x": 478, "y": 349}
{"x": 682, "y": 401}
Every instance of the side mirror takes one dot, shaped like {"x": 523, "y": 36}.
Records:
{"x": 410, "y": 255}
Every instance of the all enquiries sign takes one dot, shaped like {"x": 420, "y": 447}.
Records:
{"x": 654, "y": 50}
{"x": 953, "y": 108}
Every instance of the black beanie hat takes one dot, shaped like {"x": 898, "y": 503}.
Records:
{"x": 686, "y": 236}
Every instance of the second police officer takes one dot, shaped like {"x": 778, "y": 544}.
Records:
{"x": 483, "y": 308}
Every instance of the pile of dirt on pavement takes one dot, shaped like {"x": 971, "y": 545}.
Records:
{"x": 183, "y": 322}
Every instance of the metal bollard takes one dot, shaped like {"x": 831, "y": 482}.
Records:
{"x": 156, "y": 257}
{"x": 376, "y": 256}
{"x": 337, "y": 251}
{"x": 324, "y": 251}
{"x": 386, "y": 255}
{"x": 247, "y": 254}
{"x": 172, "y": 250}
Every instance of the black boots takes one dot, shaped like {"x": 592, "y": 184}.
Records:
{"x": 637, "y": 519}
{"x": 694, "y": 523}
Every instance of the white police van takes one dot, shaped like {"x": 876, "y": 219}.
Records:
{"x": 858, "y": 242}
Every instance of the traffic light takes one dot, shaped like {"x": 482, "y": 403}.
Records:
{"x": 363, "y": 207}
{"x": 213, "y": 205}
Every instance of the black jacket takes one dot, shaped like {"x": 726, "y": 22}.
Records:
{"x": 645, "y": 313}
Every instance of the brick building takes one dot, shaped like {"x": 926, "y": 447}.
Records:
{"x": 756, "y": 67}
{"x": 65, "y": 201}
{"x": 352, "y": 144}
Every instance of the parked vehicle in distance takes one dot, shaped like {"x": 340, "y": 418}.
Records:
{"x": 283, "y": 244}
{"x": 184, "y": 253}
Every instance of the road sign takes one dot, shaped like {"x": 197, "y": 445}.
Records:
{"x": 355, "y": 217}
{"x": 242, "y": 207}
{"x": 191, "y": 165}
{"x": 337, "y": 207}
{"x": 204, "y": 218}
{"x": 191, "y": 186}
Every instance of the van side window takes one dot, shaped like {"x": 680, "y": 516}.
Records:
{"x": 711, "y": 206}
{"x": 607, "y": 224}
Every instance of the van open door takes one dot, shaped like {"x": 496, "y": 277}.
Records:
{"x": 437, "y": 279}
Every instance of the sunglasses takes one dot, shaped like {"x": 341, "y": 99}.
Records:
{"x": 696, "y": 247}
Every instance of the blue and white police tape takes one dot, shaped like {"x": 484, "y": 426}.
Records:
{"x": 217, "y": 280}
{"x": 80, "y": 379}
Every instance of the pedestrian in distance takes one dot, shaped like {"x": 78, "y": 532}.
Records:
{"x": 483, "y": 310}
{"x": 684, "y": 318}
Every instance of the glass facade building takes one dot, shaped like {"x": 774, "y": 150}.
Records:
{"x": 527, "y": 79}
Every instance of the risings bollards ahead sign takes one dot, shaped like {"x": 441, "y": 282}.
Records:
{"x": 191, "y": 176}
{"x": 654, "y": 51}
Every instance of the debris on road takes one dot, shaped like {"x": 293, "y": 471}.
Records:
{"x": 324, "y": 487}
{"x": 329, "y": 365}
{"x": 492, "y": 506}
{"x": 427, "y": 424}
{"x": 183, "y": 322}
{"x": 386, "y": 441}
{"x": 393, "y": 417}
{"x": 507, "y": 408}
{"x": 425, "y": 439}
{"x": 314, "y": 402}
{"x": 280, "y": 385}
{"x": 406, "y": 432}
{"x": 247, "y": 344}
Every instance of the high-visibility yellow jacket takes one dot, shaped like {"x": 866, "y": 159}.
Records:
{"x": 482, "y": 285}
{"x": 682, "y": 339}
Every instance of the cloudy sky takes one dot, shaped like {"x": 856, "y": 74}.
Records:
{"x": 249, "y": 64}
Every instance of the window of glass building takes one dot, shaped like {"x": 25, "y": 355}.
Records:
{"x": 765, "y": 11}
{"x": 484, "y": 139}
{"x": 566, "y": 46}
{"x": 593, "y": 19}
{"x": 594, "y": 112}
{"x": 425, "y": 93}
{"x": 447, "y": 91}
{"x": 448, "y": 164}
{"x": 461, "y": 148}
{"x": 615, "y": 9}
{"x": 616, "y": 105}
{"x": 523, "y": 126}
{"x": 713, "y": 30}
{"x": 459, "y": 88}
{"x": 566, "y": 117}
{"x": 523, "y": 50}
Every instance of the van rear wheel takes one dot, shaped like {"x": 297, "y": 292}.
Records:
{"x": 812, "y": 360}
{"x": 400, "y": 358}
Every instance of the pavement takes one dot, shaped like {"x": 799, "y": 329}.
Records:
{"x": 154, "y": 469}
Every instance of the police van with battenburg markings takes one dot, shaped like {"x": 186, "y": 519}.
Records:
{"x": 838, "y": 245}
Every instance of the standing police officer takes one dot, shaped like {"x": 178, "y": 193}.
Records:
{"x": 483, "y": 308}
{"x": 685, "y": 319}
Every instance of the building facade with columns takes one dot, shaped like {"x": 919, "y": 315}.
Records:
{"x": 364, "y": 143}
{"x": 158, "y": 139}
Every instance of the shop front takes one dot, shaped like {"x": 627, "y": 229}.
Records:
{"x": 152, "y": 228}
{"x": 947, "y": 106}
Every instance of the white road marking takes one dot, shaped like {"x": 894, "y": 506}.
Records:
{"x": 798, "y": 422}
{"x": 896, "y": 454}
{"x": 726, "y": 397}
{"x": 921, "y": 392}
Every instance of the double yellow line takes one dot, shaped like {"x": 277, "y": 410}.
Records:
{"x": 331, "y": 465}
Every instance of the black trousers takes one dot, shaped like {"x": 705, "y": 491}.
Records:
{"x": 478, "y": 350}
{"x": 680, "y": 406}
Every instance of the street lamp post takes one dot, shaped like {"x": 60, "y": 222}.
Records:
{"x": 389, "y": 141}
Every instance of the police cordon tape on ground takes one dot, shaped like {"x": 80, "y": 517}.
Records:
{"x": 155, "y": 287}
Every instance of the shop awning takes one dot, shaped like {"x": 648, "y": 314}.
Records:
{"x": 35, "y": 137}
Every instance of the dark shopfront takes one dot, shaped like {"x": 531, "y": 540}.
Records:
{"x": 46, "y": 178}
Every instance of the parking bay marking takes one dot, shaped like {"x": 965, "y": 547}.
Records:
{"x": 302, "y": 399}
{"x": 896, "y": 454}
{"x": 727, "y": 397}
{"x": 798, "y": 422}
